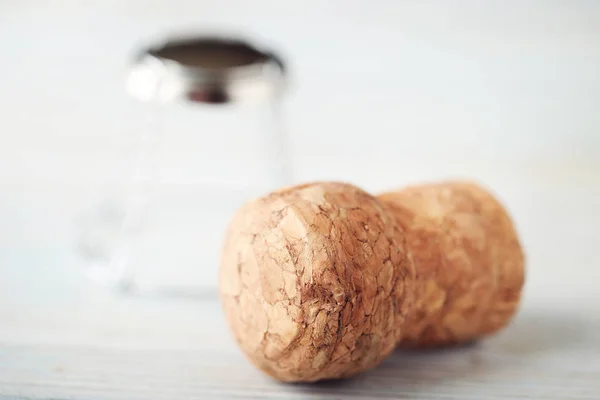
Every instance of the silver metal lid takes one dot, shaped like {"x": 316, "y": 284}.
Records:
{"x": 205, "y": 69}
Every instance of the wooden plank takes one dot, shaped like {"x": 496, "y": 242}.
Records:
{"x": 544, "y": 355}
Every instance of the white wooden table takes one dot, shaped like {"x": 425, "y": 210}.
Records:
{"x": 182, "y": 350}
{"x": 539, "y": 357}
{"x": 508, "y": 95}
{"x": 61, "y": 337}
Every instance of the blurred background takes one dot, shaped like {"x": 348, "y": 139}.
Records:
{"x": 382, "y": 94}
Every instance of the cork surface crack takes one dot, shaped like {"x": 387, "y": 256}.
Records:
{"x": 317, "y": 287}
{"x": 470, "y": 265}
{"x": 324, "y": 280}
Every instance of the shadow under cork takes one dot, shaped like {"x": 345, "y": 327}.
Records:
{"x": 510, "y": 361}
{"x": 549, "y": 331}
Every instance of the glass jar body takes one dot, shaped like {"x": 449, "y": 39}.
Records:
{"x": 193, "y": 165}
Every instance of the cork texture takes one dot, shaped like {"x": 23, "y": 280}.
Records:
{"x": 469, "y": 263}
{"x": 323, "y": 280}
{"x": 314, "y": 283}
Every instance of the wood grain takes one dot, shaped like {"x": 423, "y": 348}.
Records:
{"x": 544, "y": 355}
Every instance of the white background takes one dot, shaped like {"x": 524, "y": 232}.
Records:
{"x": 380, "y": 90}
{"x": 382, "y": 94}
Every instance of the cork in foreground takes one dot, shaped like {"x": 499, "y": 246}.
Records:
{"x": 323, "y": 281}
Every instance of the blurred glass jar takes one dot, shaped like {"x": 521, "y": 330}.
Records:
{"x": 213, "y": 140}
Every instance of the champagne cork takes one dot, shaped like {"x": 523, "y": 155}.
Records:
{"x": 468, "y": 261}
{"x": 323, "y": 280}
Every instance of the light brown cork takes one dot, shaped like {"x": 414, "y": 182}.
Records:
{"x": 469, "y": 263}
{"x": 323, "y": 280}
